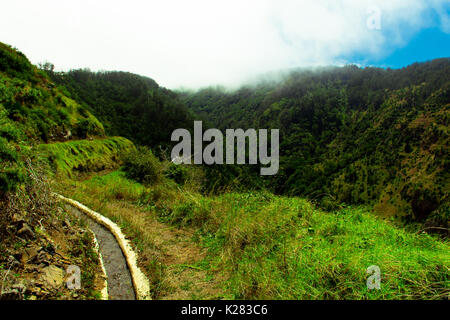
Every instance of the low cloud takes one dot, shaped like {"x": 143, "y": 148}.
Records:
{"x": 203, "y": 42}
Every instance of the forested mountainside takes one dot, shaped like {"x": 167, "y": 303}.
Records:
{"x": 351, "y": 135}
{"x": 128, "y": 105}
{"x": 33, "y": 110}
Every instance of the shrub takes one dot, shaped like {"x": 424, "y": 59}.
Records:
{"x": 11, "y": 174}
{"x": 10, "y": 179}
{"x": 10, "y": 132}
{"x": 177, "y": 173}
{"x": 7, "y": 152}
{"x": 142, "y": 166}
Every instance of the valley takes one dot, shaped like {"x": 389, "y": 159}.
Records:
{"x": 363, "y": 181}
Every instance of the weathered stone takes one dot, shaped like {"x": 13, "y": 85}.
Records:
{"x": 42, "y": 258}
{"x": 66, "y": 223}
{"x": 17, "y": 218}
{"x": 53, "y": 276}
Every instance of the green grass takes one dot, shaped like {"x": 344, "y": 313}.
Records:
{"x": 117, "y": 186}
{"x": 282, "y": 248}
{"x": 40, "y": 111}
{"x": 271, "y": 247}
{"x": 83, "y": 155}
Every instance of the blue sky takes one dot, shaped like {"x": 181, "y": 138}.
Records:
{"x": 425, "y": 44}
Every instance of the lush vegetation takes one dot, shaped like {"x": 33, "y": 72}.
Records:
{"x": 270, "y": 247}
{"x": 11, "y": 167}
{"x": 33, "y": 110}
{"x": 349, "y": 135}
{"x": 69, "y": 158}
{"x": 264, "y": 246}
{"x": 38, "y": 108}
{"x": 129, "y": 105}
{"x": 141, "y": 165}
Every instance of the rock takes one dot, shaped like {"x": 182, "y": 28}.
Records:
{"x": 26, "y": 231}
{"x": 35, "y": 268}
{"x": 17, "y": 218}
{"x": 68, "y": 135}
{"x": 28, "y": 255}
{"x": 53, "y": 276}
{"x": 50, "y": 248}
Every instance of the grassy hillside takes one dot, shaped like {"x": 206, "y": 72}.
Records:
{"x": 68, "y": 158}
{"x": 256, "y": 245}
{"x": 261, "y": 246}
{"x": 37, "y": 236}
{"x": 32, "y": 111}
{"x": 129, "y": 105}
{"x": 349, "y": 135}
{"x": 39, "y": 109}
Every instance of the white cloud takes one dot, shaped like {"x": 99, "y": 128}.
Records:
{"x": 201, "y": 42}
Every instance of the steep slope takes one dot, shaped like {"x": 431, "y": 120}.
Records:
{"x": 39, "y": 109}
{"x": 129, "y": 105}
{"x": 38, "y": 239}
{"x": 351, "y": 135}
{"x": 33, "y": 110}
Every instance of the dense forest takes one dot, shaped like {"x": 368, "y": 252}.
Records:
{"x": 350, "y": 135}
{"x": 128, "y": 105}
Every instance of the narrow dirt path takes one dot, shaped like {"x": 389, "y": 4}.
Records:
{"x": 120, "y": 285}
{"x": 183, "y": 272}
{"x": 184, "y": 278}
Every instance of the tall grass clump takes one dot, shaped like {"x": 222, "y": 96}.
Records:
{"x": 142, "y": 166}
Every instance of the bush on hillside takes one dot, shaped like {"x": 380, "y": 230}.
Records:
{"x": 88, "y": 127}
{"x": 177, "y": 173}
{"x": 142, "y": 166}
{"x": 11, "y": 173}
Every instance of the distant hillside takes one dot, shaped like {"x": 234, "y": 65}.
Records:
{"x": 128, "y": 105}
{"x": 351, "y": 135}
